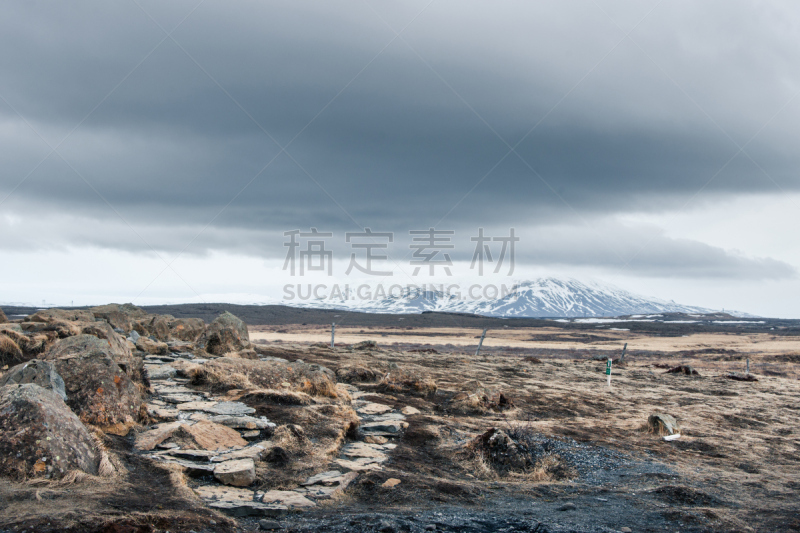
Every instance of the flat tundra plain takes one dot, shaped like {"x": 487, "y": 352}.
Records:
{"x": 735, "y": 467}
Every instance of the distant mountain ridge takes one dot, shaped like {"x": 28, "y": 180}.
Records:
{"x": 543, "y": 297}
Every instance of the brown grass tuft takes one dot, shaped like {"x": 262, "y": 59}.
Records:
{"x": 358, "y": 374}
{"x": 10, "y": 353}
{"x": 403, "y": 380}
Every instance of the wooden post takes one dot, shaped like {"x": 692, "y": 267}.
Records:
{"x": 748, "y": 365}
{"x": 478, "y": 351}
{"x": 624, "y": 349}
{"x": 333, "y": 332}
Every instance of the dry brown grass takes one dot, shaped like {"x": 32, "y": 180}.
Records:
{"x": 10, "y": 352}
{"x": 228, "y": 373}
{"x": 408, "y": 380}
{"x": 358, "y": 374}
{"x": 274, "y": 396}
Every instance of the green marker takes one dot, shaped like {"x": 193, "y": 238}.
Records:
{"x": 608, "y": 371}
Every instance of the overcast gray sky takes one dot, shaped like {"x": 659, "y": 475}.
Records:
{"x": 650, "y": 143}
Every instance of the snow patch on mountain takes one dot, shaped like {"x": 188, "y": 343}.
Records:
{"x": 543, "y": 297}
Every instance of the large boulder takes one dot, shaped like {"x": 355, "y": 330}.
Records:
{"x": 119, "y": 316}
{"x": 187, "y": 329}
{"x": 60, "y": 315}
{"x": 98, "y": 390}
{"x": 115, "y": 347}
{"x": 226, "y": 334}
{"x": 156, "y": 326}
{"x": 40, "y": 436}
{"x": 37, "y": 372}
{"x": 64, "y": 323}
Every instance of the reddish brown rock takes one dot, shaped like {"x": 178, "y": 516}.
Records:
{"x": 119, "y": 316}
{"x": 40, "y": 436}
{"x": 187, "y": 329}
{"x": 115, "y": 348}
{"x": 98, "y": 390}
{"x": 156, "y": 326}
{"x": 60, "y": 315}
{"x": 226, "y": 334}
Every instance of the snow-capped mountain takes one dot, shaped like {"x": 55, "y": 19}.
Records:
{"x": 543, "y": 297}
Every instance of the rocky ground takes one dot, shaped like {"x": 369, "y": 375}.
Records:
{"x": 114, "y": 419}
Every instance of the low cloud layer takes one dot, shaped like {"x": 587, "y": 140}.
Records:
{"x": 396, "y": 133}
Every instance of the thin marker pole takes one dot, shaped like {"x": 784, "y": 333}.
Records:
{"x": 478, "y": 351}
{"x": 608, "y": 371}
{"x": 333, "y": 332}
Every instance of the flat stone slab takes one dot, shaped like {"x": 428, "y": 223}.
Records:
{"x": 218, "y": 408}
{"x": 289, "y": 498}
{"x": 322, "y": 476}
{"x": 361, "y": 464}
{"x": 182, "y": 397}
{"x": 236, "y": 422}
{"x": 373, "y": 409}
{"x": 170, "y": 387}
{"x": 254, "y": 452}
{"x": 363, "y": 449}
{"x": 192, "y": 468}
{"x": 156, "y": 411}
{"x": 388, "y": 417}
{"x": 157, "y": 372}
{"x": 193, "y": 455}
{"x": 382, "y": 428}
{"x": 408, "y": 410}
{"x": 196, "y": 406}
{"x": 152, "y": 438}
{"x": 221, "y": 493}
{"x": 211, "y": 436}
{"x": 230, "y": 408}
{"x": 239, "y": 473}
{"x": 330, "y": 487}
{"x": 239, "y": 509}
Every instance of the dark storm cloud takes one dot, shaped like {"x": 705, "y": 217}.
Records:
{"x": 397, "y": 148}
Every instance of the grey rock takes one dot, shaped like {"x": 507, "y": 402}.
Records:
{"x": 37, "y": 372}
{"x": 269, "y": 525}
{"x": 40, "y": 436}
{"x": 231, "y": 409}
{"x": 567, "y": 507}
{"x": 156, "y": 372}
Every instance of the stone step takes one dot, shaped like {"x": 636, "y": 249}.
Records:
{"x": 239, "y": 473}
{"x": 291, "y": 499}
